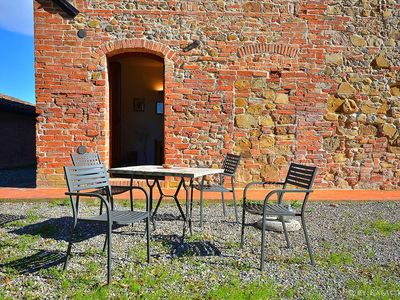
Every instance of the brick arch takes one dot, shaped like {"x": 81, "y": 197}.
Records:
{"x": 282, "y": 49}
{"x": 115, "y": 47}
{"x": 137, "y": 45}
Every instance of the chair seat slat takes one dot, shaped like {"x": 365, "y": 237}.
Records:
{"x": 304, "y": 167}
{"x": 298, "y": 179}
{"x": 298, "y": 184}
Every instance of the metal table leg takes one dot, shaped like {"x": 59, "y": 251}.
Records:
{"x": 189, "y": 204}
{"x": 151, "y": 186}
{"x": 174, "y": 196}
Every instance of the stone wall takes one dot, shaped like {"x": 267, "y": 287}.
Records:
{"x": 314, "y": 82}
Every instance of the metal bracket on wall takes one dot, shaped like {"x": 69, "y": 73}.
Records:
{"x": 191, "y": 46}
{"x": 67, "y": 7}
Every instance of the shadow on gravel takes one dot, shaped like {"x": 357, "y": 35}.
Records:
{"x": 34, "y": 263}
{"x": 9, "y": 218}
{"x": 60, "y": 229}
{"x": 167, "y": 217}
{"x": 180, "y": 247}
{"x": 22, "y": 177}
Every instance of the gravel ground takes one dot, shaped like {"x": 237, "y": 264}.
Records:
{"x": 356, "y": 246}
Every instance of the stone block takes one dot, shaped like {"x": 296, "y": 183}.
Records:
{"x": 331, "y": 117}
{"x": 282, "y": 98}
{"x": 346, "y": 90}
{"x": 242, "y": 144}
{"x": 246, "y": 121}
{"x": 258, "y": 83}
{"x": 269, "y": 94}
{"x": 334, "y": 104}
{"x": 349, "y": 106}
{"x": 368, "y": 130}
{"x": 380, "y": 62}
{"x": 267, "y": 141}
{"x": 242, "y": 84}
{"x": 389, "y": 130}
{"x": 395, "y": 89}
{"x": 369, "y": 107}
{"x": 331, "y": 144}
{"x": 358, "y": 41}
{"x": 94, "y": 23}
{"x": 266, "y": 121}
{"x": 335, "y": 59}
{"x": 269, "y": 173}
{"x": 252, "y": 7}
{"x": 255, "y": 109}
{"x": 340, "y": 157}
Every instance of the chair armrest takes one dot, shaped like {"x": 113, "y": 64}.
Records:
{"x": 283, "y": 192}
{"x": 145, "y": 194}
{"x": 263, "y": 183}
{"x": 91, "y": 195}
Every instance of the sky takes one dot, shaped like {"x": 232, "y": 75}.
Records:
{"x": 16, "y": 49}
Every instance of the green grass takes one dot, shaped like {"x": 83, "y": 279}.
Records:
{"x": 335, "y": 259}
{"x": 383, "y": 227}
{"x": 340, "y": 258}
{"x": 374, "y": 289}
{"x": 31, "y": 217}
{"x": 59, "y": 202}
{"x": 238, "y": 291}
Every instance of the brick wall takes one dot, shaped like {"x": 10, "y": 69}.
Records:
{"x": 308, "y": 81}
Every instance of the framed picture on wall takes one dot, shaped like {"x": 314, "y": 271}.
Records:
{"x": 159, "y": 108}
{"x": 138, "y": 104}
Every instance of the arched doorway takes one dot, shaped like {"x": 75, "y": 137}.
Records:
{"x": 136, "y": 83}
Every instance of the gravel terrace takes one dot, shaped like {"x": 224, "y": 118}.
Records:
{"x": 356, "y": 245}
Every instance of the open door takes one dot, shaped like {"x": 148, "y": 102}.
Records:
{"x": 137, "y": 109}
{"x": 115, "y": 113}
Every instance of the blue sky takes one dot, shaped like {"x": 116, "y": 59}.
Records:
{"x": 16, "y": 49}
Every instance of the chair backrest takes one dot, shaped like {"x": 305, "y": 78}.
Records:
{"x": 85, "y": 159}
{"x": 81, "y": 178}
{"x": 300, "y": 176}
{"x": 230, "y": 164}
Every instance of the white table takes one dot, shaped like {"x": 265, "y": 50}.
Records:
{"x": 155, "y": 173}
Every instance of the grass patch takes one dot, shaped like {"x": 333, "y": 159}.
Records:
{"x": 377, "y": 288}
{"x": 237, "y": 290}
{"x": 31, "y": 217}
{"x": 337, "y": 259}
{"x": 383, "y": 227}
{"x": 59, "y": 202}
{"x": 138, "y": 252}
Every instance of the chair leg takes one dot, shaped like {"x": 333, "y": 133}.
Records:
{"x": 131, "y": 198}
{"x": 286, "y": 233}
{"x": 112, "y": 202}
{"x": 105, "y": 243}
{"x": 310, "y": 251}
{"x": 101, "y": 207}
{"x": 242, "y": 231}
{"x": 262, "y": 245}
{"x": 109, "y": 262}
{"x": 235, "y": 206}
{"x": 223, "y": 204}
{"x": 148, "y": 237}
{"x": 201, "y": 208}
{"x": 69, "y": 248}
{"x": 131, "y": 192}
